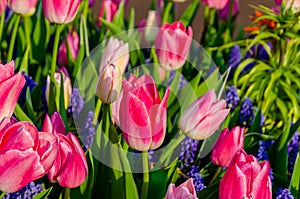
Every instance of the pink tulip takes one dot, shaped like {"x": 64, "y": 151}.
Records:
{"x": 141, "y": 114}
{"x": 216, "y": 4}
{"x": 246, "y": 178}
{"x": 204, "y": 116}
{"x": 60, "y": 11}
{"x": 11, "y": 86}
{"x": 172, "y": 45}
{"x": 22, "y": 7}
{"x": 25, "y": 154}
{"x": 185, "y": 190}
{"x": 70, "y": 166}
{"x": 278, "y": 2}
{"x": 223, "y": 13}
{"x": 73, "y": 44}
{"x": 3, "y": 4}
{"x": 107, "y": 11}
{"x": 227, "y": 145}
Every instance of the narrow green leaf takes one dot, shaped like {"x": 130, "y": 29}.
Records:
{"x": 295, "y": 181}
{"x": 44, "y": 194}
{"x": 189, "y": 14}
{"x": 21, "y": 115}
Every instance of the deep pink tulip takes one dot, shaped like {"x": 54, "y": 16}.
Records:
{"x": 22, "y": 7}
{"x": 141, "y": 114}
{"x": 172, "y": 44}
{"x": 204, "y": 116}
{"x": 3, "y": 4}
{"x": 91, "y": 3}
{"x": 278, "y": 2}
{"x": 73, "y": 44}
{"x": 25, "y": 154}
{"x": 11, "y": 86}
{"x": 185, "y": 190}
{"x": 107, "y": 11}
{"x": 246, "y": 178}
{"x": 223, "y": 13}
{"x": 70, "y": 166}
{"x": 227, "y": 145}
{"x": 60, "y": 11}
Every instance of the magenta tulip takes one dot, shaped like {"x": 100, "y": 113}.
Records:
{"x": 223, "y": 13}
{"x": 141, "y": 114}
{"x": 185, "y": 190}
{"x": 22, "y": 7}
{"x": 25, "y": 154}
{"x": 70, "y": 166}
{"x": 246, "y": 178}
{"x": 91, "y": 3}
{"x": 204, "y": 116}
{"x": 107, "y": 11}
{"x": 73, "y": 45}
{"x": 173, "y": 44}
{"x": 11, "y": 86}
{"x": 60, "y": 11}
{"x": 3, "y": 4}
{"x": 227, "y": 145}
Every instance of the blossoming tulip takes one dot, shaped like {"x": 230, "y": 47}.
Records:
{"x": 73, "y": 44}
{"x": 185, "y": 190}
{"x": 3, "y": 4}
{"x": 172, "y": 45}
{"x": 11, "y": 86}
{"x": 116, "y": 53}
{"x": 109, "y": 84}
{"x": 70, "y": 166}
{"x": 246, "y": 178}
{"x": 107, "y": 10}
{"x": 25, "y": 154}
{"x": 141, "y": 114}
{"x": 204, "y": 116}
{"x": 223, "y": 13}
{"x": 21, "y": 6}
{"x": 60, "y": 11}
{"x": 227, "y": 145}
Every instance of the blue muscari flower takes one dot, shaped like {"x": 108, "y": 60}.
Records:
{"x": 197, "y": 178}
{"x": 88, "y": 130}
{"x": 27, "y": 192}
{"x": 293, "y": 147}
{"x": 188, "y": 152}
{"x": 77, "y": 102}
{"x": 246, "y": 111}
{"x": 232, "y": 97}
{"x": 284, "y": 194}
{"x": 234, "y": 56}
{"x": 30, "y": 83}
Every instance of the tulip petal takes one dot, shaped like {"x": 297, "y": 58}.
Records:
{"x": 261, "y": 184}
{"x": 47, "y": 150}
{"x": 47, "y": 125}
{"x": 58, "y": 123}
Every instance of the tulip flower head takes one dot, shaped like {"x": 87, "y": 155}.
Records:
{"x": 246, "y": 178}
{"x": 60, "y": 11}
{"x": 204, "y": 116}
{"x": 140, "y": 113}
{"x": 73, "y": 45}
{"x": 172, "y": 44}
{"x": 227, "y": 145}
{"x": 185, "y": 190}
{"x": 108, "y": 9}
{"x": 22, "y": 7}
{"x": 3, "y": 4}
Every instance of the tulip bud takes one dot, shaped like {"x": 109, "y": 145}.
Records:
{"x": 246, "y": 178}
{"x": 3, "y": 4}
{"x": 185, "y": 190}
{"x": 60, "y": 11}
{"x": 227, "y": 145}
{"x": 116, "y": 53}
{"x": 223, "y": 13}
{"x": 73, "y": 45}
{"x": 91, "y": 3}
{"x": 172, "y": 45}
{"x": 153, "y": 21}
{"x": 22, "y": 7}
{"x": 204, "y": 116}
{"x": 108, "y": 9}
{"x": 109, "y": 84}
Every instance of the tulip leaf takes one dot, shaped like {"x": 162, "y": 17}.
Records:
{"x": 255, "y": 127}
{"x": 158, "y": 184}
{"x": 44, "y": 194}
{"x": 29, "y": 106}
{"x": 2, "y": 195}
{"x": 210, "y": 192}
{"x": 131, "y": 19}
{"x": 24, "y": 63}
{"x": 189, "y": 14}
{"x": 295, "y": 181}
{"x": 21, "y": 115}
{"x": 119, "y": 16}
{"x": 167, "y": 15}
{"x": 172, "y": 172}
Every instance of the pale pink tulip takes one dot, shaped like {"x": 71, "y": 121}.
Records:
{"x": 22, "y": 7}
{"x": 141, "y": 114}
{"x": 246, "y": 178}
{"x": 173, "y": 44}
{"x": 73, "y": 44}
{"x": 107, "y": 11}
{"x": 3, "y": 4}
{"x": 60, "y": 11}
{"x": 204, "y": 116}
{"x": 149, "y": 27}
{"x": 227, "y": 145}
{"x": 185, "y": 190}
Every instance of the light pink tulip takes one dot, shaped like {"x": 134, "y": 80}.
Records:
{"x": 3, "y": 4}
{"x": 173, "y": 44}
{"x": 70, "y": 166}
{"x": 73, "y": 44}
{"x": 223, "y": 13}
{"x": 246, "y": 178}
{"x": 185, "y": 190}
{"x": 216, "y": 4}
{"x": 22, "y": 7}
{"x": 227, "y": 145}
{"x": 141, "y": 114}
{"x": 11, "y": 86}
{"x": 60, "y": 11}
{"x": 204, "y": 116}
{"x": 107, "y": 11}
{"x": 25, "y": 154}
{"x": 149, "y": 27}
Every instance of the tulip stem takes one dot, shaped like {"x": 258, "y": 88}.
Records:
{"x": 13, "y": 38}
{"x": 97, "y": 111}
{"x": 216, "y": 175}
{"x": 67, "y": 193}
{"x": 1, "y": 26}
{"x": 145, "y": 175}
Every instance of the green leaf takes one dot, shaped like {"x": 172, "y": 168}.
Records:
{"x": 29, "y": 107}
{"x": 255, "y": 127}
{"x": 167, "y": 12}
{"x": 295, "y": 181}
{"x": 261, "y": 36}
{"x": 158, "y": 184}
{"x": 2, "y": 195}
{"x": 211, "y": 192}
{"x": 189, "y": 14}
{"x": 131, "y": 20}
{"x": 44, "y": 194}
{"x": 21, "y": 115}
{"x": 24, "y": 63}
{"x": 119, "y": 16}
